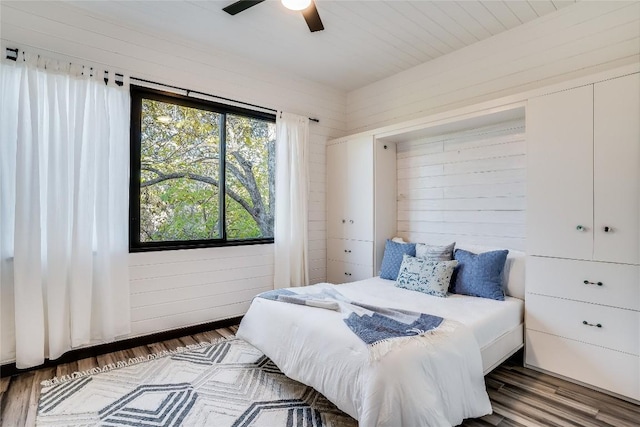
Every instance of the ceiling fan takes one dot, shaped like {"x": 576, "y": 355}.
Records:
{"x": 307, "y": 7}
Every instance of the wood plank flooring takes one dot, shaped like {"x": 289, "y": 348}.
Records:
{"x": 519, "y": 396}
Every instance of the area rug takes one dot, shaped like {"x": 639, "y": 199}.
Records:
{"x": 220, "y": 384}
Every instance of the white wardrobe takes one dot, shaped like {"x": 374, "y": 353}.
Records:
{"x": 583, "y": 234}
{"x": 361, "y": 182}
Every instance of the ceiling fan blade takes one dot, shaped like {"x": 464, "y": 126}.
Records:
{"x": 239, "y": 6}
{"x": 312, "y": 17}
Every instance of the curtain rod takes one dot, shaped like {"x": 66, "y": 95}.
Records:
{"x": 188, "y": 91}
{"x": 12, "y": 54}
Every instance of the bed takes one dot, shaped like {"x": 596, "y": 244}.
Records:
{"x": 418, "y": 385}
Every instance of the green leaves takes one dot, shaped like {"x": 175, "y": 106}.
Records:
{"x": 180, "y": 174}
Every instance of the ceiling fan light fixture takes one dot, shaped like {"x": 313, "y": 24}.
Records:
{"x": 296, "y": 4}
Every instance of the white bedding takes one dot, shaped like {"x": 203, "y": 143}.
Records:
{"x": 417, "y": 385}
{"x": 487, "y": 318}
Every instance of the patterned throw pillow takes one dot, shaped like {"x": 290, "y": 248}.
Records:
{"x": 429, "y": 277}
{"x": 480, "y": 275}
{"x": 392, "y": 258}
{"x": 435, "y": 252}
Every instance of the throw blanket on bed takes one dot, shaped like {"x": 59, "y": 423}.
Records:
{"x": 380, "y": 328}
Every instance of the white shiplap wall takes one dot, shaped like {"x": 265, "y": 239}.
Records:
{"x": 578, "y": 40}
{"x": 467, "y": 187}
{"x": 182, "y": 288}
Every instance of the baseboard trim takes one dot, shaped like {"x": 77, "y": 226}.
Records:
{"x": 10, "y": 369}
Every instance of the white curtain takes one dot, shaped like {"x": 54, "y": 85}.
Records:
{"x": 292, "y": 176}
{"x": 64, "y": 174}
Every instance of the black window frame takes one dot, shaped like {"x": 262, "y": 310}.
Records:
{"x": 138, "y": 93}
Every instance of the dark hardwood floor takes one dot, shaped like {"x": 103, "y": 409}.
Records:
{"x": 520, "y": 396}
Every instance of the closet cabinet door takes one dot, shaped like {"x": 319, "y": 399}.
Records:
{"x": 617, "y": 170}
{"x": 560, "y": 174}
{"x": 359, "y": 189}
{"x": 336, "y": 189}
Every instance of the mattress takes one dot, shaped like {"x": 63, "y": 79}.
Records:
{"x": 434, "y": 382}
{"x": 488, "y": 319}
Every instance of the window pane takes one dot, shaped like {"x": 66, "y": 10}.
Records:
{"x": 250, "y": 177}
{"x": 180, "y": 148}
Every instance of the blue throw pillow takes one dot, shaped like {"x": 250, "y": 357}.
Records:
{"x": 392, "y": 259}
{"x": 480, "y": 275}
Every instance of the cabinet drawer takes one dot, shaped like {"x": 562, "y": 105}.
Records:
{"x": 351, "y": 251}
{"x": 619, "y": 330}
{"x": 607, "y": 369}
{"x": 343, "y": 272}
{"x": 620, "y": 284}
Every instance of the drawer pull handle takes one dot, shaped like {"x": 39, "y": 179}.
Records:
{"x": 586, "y": 282}
{"x": 597, "y": 325}
{"x": 347, "y": 274}
{"x": 347, "y": 251}
{"x": 351, "y": 221}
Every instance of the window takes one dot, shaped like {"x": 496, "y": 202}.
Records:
{"x": 183, "y": 151}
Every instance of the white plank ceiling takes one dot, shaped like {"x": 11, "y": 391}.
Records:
{"x": 363, "y": 41}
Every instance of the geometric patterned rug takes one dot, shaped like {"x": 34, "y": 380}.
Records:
{"x": 228, "y": 383}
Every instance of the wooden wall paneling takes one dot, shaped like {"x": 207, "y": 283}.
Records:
{"x": 487, "y": 203}
{"x": 187, "y": 304}
{"x": 191, "y": 318}
{"x": 492, "y": 177}
{"x": 165, "y": 296}
{"x": 207, "y": 278}
{"x": 470, "y": 216}
{"x": 467, "y": 186}
{"x": 209, "y": 265}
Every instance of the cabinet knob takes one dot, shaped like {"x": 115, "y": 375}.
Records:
{"x": 351, "y": 221}
{"x": 581, "y": 228}
{"x": 344, "y": 221}
{"x": 347, "y": 251}
{"x": 596, "y": 325}
{"x": 587, "y": 282}
{"x": 347, "y": 274}
{"x": 607, "y": 229}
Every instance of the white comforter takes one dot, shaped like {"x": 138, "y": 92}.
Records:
{"x": 421, "y": 383}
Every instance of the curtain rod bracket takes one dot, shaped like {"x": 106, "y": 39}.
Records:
{"x": 12, "y": 54}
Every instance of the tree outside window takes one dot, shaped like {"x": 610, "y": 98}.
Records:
{"x": 184, "y": 151}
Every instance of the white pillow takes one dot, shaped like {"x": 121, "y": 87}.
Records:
{"x": 435, "y": 252}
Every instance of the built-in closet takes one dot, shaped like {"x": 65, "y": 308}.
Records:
{"x": 583, "y": 234}
{"x": 361, "y": 175}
